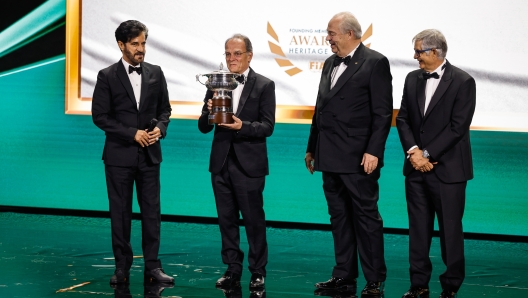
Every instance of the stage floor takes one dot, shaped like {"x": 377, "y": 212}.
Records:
{"x": 66, "y": 256}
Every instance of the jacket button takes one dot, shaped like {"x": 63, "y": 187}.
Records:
{"x": 320, "y": 113}
{"x": 422, "y": 131}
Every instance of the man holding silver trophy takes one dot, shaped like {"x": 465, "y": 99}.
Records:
{"x": 239, "y": 160}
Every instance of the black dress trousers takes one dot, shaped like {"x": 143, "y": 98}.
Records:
{"x": 235, "y": 192}
{"x": 120, "y": 184}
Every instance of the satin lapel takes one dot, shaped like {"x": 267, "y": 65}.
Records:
{"x": 447, "y": 79}
{"x": 326, "y": 79}
{"x": 123, "y": 77}
{"x": 420, "y": 93}
{"x": 145, "y": 77}
{"x": 355, "y": 63}
{"x": 248, "y": 86}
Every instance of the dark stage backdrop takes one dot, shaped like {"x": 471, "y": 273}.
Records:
{"x": 51, "y": 159}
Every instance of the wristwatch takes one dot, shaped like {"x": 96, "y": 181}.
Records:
{"x": 425, "y": 154}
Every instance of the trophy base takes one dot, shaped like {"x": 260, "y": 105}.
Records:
{"x": 217, "y": 118}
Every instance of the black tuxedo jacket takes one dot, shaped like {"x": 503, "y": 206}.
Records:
{"x": 355, "y": 116}
{"x": 256, "y": 109}
{"x": 114, "y": 110}
{"x": 444, "y": 130}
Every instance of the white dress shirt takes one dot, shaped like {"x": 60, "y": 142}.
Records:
{"x": 432, "y": 84}
{"x": 238, "y": 92}
{"x": 430, "y": 88}
{"x": 135, "y": 81}
{"x": 339, "y": 70}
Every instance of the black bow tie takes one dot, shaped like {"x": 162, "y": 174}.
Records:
{"x": 241, "y": 79}
{"x": 131, "y": 69}
{"x": 427, "y": 75}
{"x": 338, "y": 60}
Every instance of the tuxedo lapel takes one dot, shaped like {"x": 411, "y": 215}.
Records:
{"x": 145, "y": 77}
{"x": 248, "y": 86}
{"x": 326, "y": 80}
{"x": 355, "y": 63}
{"x": 125, "y": 80}
{"x": 352, "y": 68}
{"x": 446, "y": 80}
{"x": 420, "y": 93}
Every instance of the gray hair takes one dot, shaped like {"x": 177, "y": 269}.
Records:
{"x": 349, "y": 23}
{"x": 247, "y": 42}
{"x": 434, "y": 39}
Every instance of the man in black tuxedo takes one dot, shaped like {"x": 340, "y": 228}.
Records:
{"x": 239, "y": 164}
{"x": 433, "y": 123}
{"x": 127, "y": 96}
{"x": 351, "y": 122}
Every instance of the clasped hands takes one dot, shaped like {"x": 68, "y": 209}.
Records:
{"x": 419, "y": 162}
{"x": 234, "y": 126}
{"x": 147, "y": 138}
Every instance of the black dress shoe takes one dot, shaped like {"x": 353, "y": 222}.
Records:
{"x": 448, "y": 294}
{"x": 228, "y": 280}
{"x": 373, "y": 288}
{"x": 120, "y": 276}
{"x": 336, "y": 283}
{"x": 417, "y": 292}
{"x": 158, "y": 276}
{"x": 256, "y": 282}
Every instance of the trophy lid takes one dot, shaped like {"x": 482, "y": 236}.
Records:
{"x": 220, "y": 79}
{"x": 223, "y": 71}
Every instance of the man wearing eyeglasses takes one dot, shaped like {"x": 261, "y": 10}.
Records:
{"x": 239, "y": 165}
{"x": 349, "y": 129}
{"x": 433, "y": 123}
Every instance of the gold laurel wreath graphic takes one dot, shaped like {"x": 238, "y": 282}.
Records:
{"x": 285, "y": 62}
{"x": 366, "y": 35}
{"x": 277, "y": 50}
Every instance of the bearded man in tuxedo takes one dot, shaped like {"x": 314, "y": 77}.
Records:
{"x": 131, "y": 105}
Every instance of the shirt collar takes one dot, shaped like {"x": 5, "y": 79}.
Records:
{"x": 246, "y": 72}
{"x": 126, "y": 64}
{"x": 351, "y": 54}
{"x": 440, "y": 69}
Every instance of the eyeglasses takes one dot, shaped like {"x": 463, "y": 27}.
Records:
{"x": 235, "y": 54}
{"x": 419, "y": 52}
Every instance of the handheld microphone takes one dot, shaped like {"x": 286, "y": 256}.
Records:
{"x": 152, "y": 124}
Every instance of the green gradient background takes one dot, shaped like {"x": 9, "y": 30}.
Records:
{"x": 50, "y": 159}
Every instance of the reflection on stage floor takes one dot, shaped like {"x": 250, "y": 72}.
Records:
{"x": 67, "y": 256}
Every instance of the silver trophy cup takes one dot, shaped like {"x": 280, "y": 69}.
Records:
{"x": 220, "y": 82}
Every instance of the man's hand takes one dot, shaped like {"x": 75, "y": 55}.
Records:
{"x": 154, "y": 135}
{"x": 210, "y": 105}
{"x": 234, "y": 126}
{"x": 146, "y": 138}
{"x": 419, "y": 162}
{"x": 427, "y": 167}
{"x": 309, "y": 161}
{"x": 142, "y": 138}
{"x": 369, "y": 163}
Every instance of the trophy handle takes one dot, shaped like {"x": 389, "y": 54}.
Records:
{"x": 198, "y": 79}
